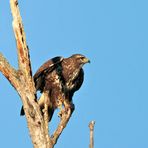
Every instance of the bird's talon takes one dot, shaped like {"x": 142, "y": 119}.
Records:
{"x": 59, "y": 114}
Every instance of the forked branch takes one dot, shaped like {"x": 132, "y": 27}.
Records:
{"x": 22, "y": 81}
{"x": 26, "y": 88}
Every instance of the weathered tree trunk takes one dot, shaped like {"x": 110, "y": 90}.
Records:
{"x": 22, "y": 81}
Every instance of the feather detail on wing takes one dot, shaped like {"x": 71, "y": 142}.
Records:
{"x": 46, "y": 68}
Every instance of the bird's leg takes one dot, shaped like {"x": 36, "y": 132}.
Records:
{"x": 46, "y": 104}
{"x": 60, "y": 106}
{"x": 41, "y": 101}
{"x": 68, "y": 105}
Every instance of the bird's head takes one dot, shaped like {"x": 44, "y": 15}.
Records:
{"x": 80, "y": 59}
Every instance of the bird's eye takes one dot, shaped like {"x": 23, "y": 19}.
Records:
{"x": 82, "y": 58}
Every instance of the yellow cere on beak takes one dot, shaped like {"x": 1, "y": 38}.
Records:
{"x": 86, "y": 60}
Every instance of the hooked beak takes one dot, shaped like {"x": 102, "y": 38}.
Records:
{"x": 86, "y": 60}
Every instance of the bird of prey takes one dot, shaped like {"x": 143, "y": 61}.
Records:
{"x": 60, "y": 78}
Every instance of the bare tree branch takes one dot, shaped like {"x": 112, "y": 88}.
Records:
{"x": 9, "y": 72}
{"x": 26, "y": 89}
{"x": 23, "y": 51}
{"x": 66, "y": 114}
{"x": 23, "y": 82}
{"x": 91, "y": 127}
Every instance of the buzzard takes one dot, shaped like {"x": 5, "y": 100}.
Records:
{"x": 60, "y": 78}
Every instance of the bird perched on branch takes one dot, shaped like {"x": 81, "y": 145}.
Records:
{"x": 59, "y": 78}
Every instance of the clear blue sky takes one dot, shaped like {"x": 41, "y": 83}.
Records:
{"x": 114, "y": 35}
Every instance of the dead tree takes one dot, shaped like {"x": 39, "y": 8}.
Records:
{"x": 21, "y": 79}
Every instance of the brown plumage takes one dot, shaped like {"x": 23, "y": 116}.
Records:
{"x": 60, "y": 78}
